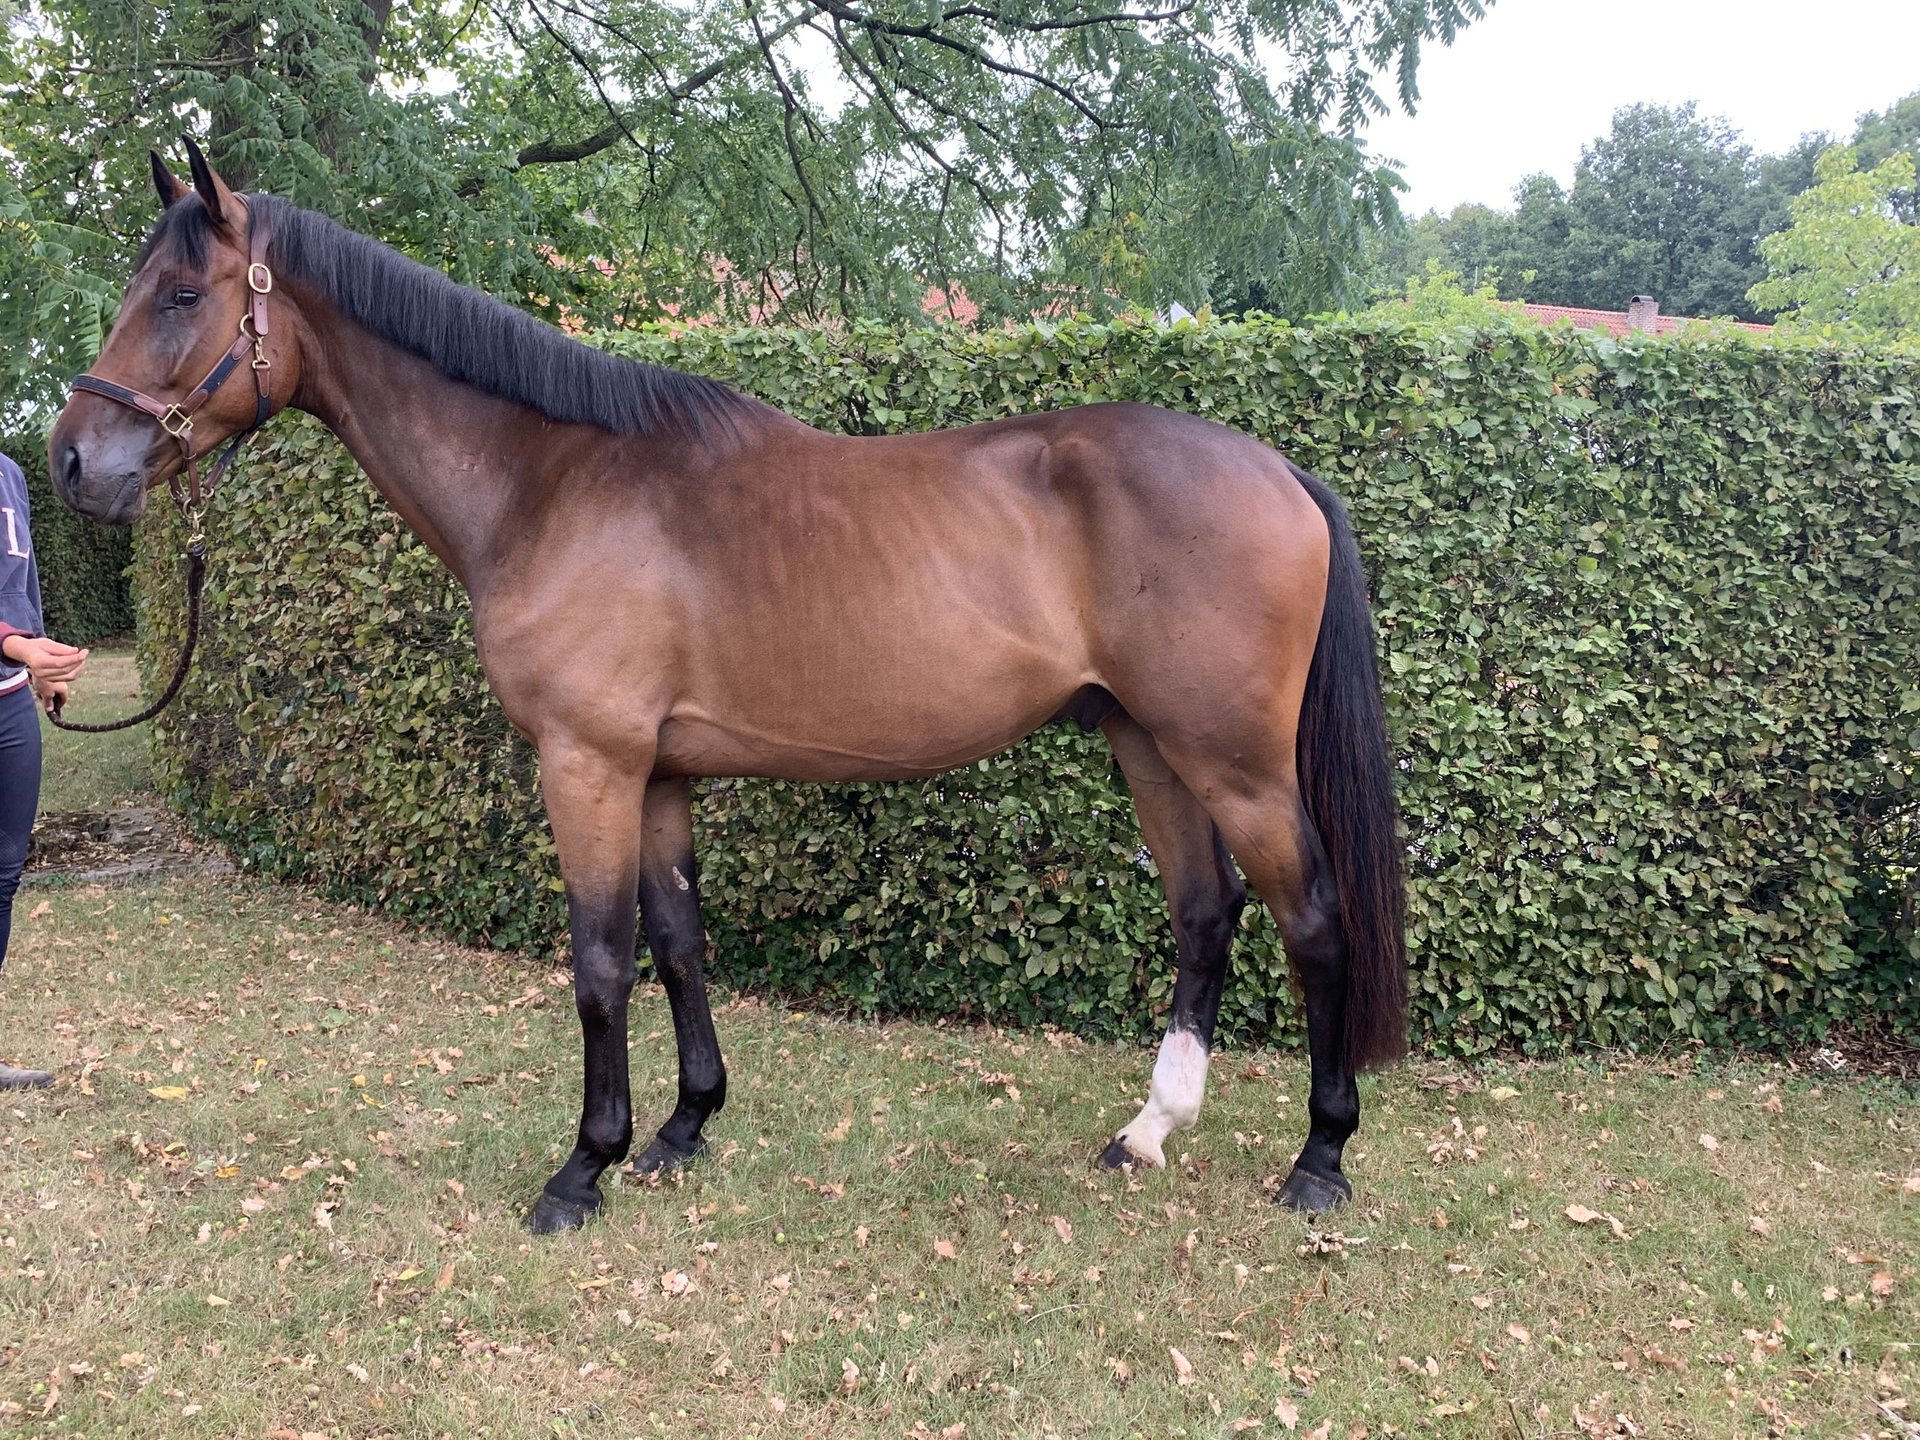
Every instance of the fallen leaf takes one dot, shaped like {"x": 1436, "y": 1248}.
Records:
{"x": 218, "y": 1300}
{"x": 860, "y": 1236}
{"x": 168, "y": 1092}
{"x": 1581, "y": 1215}
{"x": 445, "y": 1278}
{"x": 1182, "y": 1367}
{"x": 1246, "y": 1424}
{"x": 1062, "y": 1228}
{"x": 1480, "y": 1302}
{"x": 1759, "y": 1225}
{"x": 1286, "y": 1412}
{"x": 1882, "y": 1284}
{"x": 1707, "y": 1142}
{"x": 41, "y": 911}
{"x": 849, "y": 1376}
{"x": 359, "y": 1372}
{"x": 323, "y": 1216}
{"x": 412, "y": 1272}
{"x": 944, "y": 1249}
{"x": 1521, "y": 1333}
{"x": 1503, "y": 1092}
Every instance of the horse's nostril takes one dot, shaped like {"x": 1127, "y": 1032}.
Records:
{"x": 70, "y": 469}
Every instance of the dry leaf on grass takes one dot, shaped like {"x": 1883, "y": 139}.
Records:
{"x": 1707, "y": 1142}
{"x": 1182, "y": 1367}
{"x": 944, "y": 1249}
{"x": 1286, "y": 1412}
{"x": 1581, "y": 1215}
{"x": 1882, "y": 1284}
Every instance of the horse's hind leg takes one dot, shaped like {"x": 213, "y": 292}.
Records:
{"x": 1269, "y": 832}
{"x": 670, "y": 911}
{"x": 1204, "y": 896}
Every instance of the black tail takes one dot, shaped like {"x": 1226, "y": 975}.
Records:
{"x": 1346, "y": 782}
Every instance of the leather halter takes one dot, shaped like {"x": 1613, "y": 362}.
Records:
{"x": 177, "y": 418}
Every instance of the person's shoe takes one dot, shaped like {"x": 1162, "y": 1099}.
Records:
{"x": 12, "y": 1078}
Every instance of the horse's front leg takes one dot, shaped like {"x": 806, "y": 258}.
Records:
{"x": 670, "y": 910}
{"x": 594, "y": 802}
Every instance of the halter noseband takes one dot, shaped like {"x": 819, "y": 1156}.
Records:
{"x": 177, "y": 419}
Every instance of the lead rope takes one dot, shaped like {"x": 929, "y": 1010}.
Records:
{"x": 196, "y": 577}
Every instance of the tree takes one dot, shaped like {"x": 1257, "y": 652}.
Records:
{"x": 1661, "y": 206}
{"x": 1848, "y": 259}
{"x": 1881, "y": 134}
{"x": 617, "y": 160}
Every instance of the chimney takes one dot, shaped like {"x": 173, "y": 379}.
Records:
{"x": 1642, "y": 312}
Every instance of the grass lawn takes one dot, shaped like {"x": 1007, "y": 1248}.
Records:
{"x": 278, "y": 1190}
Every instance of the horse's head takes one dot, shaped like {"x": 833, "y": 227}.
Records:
{"x": 162, "y": 390}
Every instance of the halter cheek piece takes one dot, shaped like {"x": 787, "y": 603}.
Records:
{"x": 177, "y": 419}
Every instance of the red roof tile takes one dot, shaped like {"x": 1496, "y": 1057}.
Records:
{"x": 1614, "y": 322}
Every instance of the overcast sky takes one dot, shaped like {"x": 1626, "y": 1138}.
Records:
{"x": 1523, "y": 89}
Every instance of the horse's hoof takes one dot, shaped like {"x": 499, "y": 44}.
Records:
{"x": 552, "y": 1215}
{"x": 1117, "y": 1155}
{"x": 1313, "y": 1193}
{"x": 661, "y": 1156}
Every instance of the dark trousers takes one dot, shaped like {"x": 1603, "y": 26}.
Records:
{"x": 19, "y": 795}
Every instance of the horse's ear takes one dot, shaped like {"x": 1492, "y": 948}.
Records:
{"x": 212, "y": 189}
{"x": 165, "y": 183}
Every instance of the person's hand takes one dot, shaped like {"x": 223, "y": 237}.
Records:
{"x": 52, "y": 693}
{"x": 48, "y": 661}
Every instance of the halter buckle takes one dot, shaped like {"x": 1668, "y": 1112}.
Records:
{"x": 261, "y": 283}
{"x": 176, "y": 422}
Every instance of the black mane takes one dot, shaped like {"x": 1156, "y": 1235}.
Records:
{"x": 466, "y": 335}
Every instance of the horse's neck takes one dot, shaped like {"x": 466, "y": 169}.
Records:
{"x": 452, "y": 460}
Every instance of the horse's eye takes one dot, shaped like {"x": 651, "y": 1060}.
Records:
{"x": 186, "y": 299}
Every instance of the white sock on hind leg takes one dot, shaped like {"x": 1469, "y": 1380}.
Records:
{"x": 1173, "y": 1099}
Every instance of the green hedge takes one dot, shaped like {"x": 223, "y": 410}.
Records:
{"x": 1651, "y": 621}
{"x": 83, "y": 567}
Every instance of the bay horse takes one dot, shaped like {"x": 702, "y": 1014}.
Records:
{"x": 670, "y": 580}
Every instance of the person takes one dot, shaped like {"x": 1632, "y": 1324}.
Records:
{"x": 30, "y": 665}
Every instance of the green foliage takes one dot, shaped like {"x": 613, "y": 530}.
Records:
{"x": 83, "y": 567}
{"x": 629, "y": 160}
{"x": 1667, "y": 203}
{"x": 1651, "y": 620}
{"x": 1849, "y": 259}
{"x": 1438, "y": 297}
